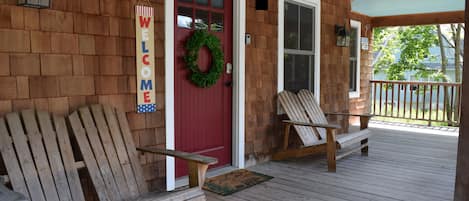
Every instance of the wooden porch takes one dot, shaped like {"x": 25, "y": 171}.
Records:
{"x": 400, "y": 166}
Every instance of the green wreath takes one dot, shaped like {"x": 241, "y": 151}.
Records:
{"x": 199, "y": 39}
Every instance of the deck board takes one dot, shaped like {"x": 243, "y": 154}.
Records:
{"x": 401, "y": 166}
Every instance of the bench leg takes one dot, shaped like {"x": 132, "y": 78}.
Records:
{"x": 331, "y": 150}
{"x": 197, "y": 173}
{"x": 364, "y": 149}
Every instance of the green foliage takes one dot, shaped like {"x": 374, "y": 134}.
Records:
{"x": 414, "y": 44}
{"x": 199, "y": 39}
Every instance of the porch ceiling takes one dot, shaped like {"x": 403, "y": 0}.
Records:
{"x": 379, "y": 8}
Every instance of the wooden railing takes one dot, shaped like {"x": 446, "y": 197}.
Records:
{"x": 425, "y": 101}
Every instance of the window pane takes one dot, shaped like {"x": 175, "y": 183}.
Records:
{"x": 306, "y": 28}
{"x": 217, "y": 3}
{"x": 291, "y": 26}
{"x": 186, "y": 1}
{"x": 202, "y": 2}
{"x": 201, "y": 19}
{"x": 353, "y": 42}
{"x": 217, "y": 22}
{"x": 353, "y": 75}
{"x": 298, "y": 72}
{"x": 185, "y": 17}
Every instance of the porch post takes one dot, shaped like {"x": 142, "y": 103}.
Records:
{"x": 462, "y": 169}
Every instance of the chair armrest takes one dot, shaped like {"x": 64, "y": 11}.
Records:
{"x": 296, "y": 123}
{"x": 349, "y": 114}
{"x": 197, "y": 164}
{"x": 364, "y": 118}
{"x": 181, "y": 155}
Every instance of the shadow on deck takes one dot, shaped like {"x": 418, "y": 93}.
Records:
{"x": 401, "y": 166}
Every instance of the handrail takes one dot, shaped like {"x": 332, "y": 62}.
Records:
{"x": 415, "y": 100}
{"x": 416, "y": 82}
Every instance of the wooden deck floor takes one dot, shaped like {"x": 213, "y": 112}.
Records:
{"x": 400, "y": 166}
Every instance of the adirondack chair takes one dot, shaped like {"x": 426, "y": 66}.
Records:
{"x": 107, "y": 147}
{"x": 38, "y": 158}
{"x": 316, "y": 134}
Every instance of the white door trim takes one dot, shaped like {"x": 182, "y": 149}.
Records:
{"x": 239, "y": 48}
{"x": 239, "y": 30}
{"x": 169, "y": 91}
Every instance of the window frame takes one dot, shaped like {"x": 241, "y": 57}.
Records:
{"x": 316, "y": 4}
{"x": 358, "y": 25}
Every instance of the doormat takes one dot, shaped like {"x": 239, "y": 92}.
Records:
{"x": 234, "y": 181}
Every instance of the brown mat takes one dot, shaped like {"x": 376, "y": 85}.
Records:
{"x": 235, "y": 181}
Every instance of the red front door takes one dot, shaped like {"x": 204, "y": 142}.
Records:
{"x": 203, "y": 115}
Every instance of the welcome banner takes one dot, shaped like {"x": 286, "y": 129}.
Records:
{"x": 145, "y": 45}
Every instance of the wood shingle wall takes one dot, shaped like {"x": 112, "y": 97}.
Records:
{"x": 261, "y": 83}
{"x": 80, "y": 52}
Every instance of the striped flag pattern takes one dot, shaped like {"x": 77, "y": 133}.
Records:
{"x": 144, "y": 11}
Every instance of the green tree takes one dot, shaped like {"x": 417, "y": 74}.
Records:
{"x": 414, "y": 44}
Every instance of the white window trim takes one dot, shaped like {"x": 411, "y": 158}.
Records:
{"x": 239, "y": 32}
{"x": 317, "y": 41}
{"x": 358, "y": 26}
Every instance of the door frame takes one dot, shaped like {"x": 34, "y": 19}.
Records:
{"x": 239, "y": 31}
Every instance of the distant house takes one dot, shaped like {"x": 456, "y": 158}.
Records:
{"x": 433, "y": 64}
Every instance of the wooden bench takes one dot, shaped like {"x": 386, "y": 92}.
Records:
{"x": 316, "y": 134}
{"x": 38, "y": 156}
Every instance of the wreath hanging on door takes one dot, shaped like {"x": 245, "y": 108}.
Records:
{"x": 199, "y": 39}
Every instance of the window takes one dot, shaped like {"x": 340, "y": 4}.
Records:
{"x": 300, "y": 60}
{"x": 355, "y": 32}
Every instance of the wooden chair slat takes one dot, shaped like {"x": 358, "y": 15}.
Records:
{"x": 40, "y": 157}
{"x": 66, "y": 151}
{"x": 11, "y": 161}
{"x": 313, "y": 110}
{"x": 90, "y": 161}
{"x": 99, "y": 153}
{"x": 108, "y": 145}
{"x": 124, "y": 160}
{"x": 55, "y": 160}
{"x": 26, "y": 160}
{"x": 132, "y": 151}
{"x": 293, "y": 108}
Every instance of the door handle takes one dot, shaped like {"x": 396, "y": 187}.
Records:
{"x": 229, "y": 83}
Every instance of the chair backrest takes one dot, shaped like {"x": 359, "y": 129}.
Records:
{"x": 314, "y": 111}
{"x": 295, "y": 112}
{"x": 107, "y": 147}
{"x": 38, "y": 156}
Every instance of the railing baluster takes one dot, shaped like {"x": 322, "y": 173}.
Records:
{"x": 386, "y": 101}
{"x": 399, "y": 100}
{"x": 411, "y": 100}
{"x": 431, "y": 102}
{"x": 437, "y": 102}
{"x": 374, "y": 99}
{"x": 459, "y": 104}
{"x": 392, "y": 100}
{"x": 405, "y": 98}
{"x": 424, "y": 100}
{"x": 445, "y": 98}
{"x": 452, "y": 104}
{"x": 418, "y": 100}
{"x": 380, "y": 97}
